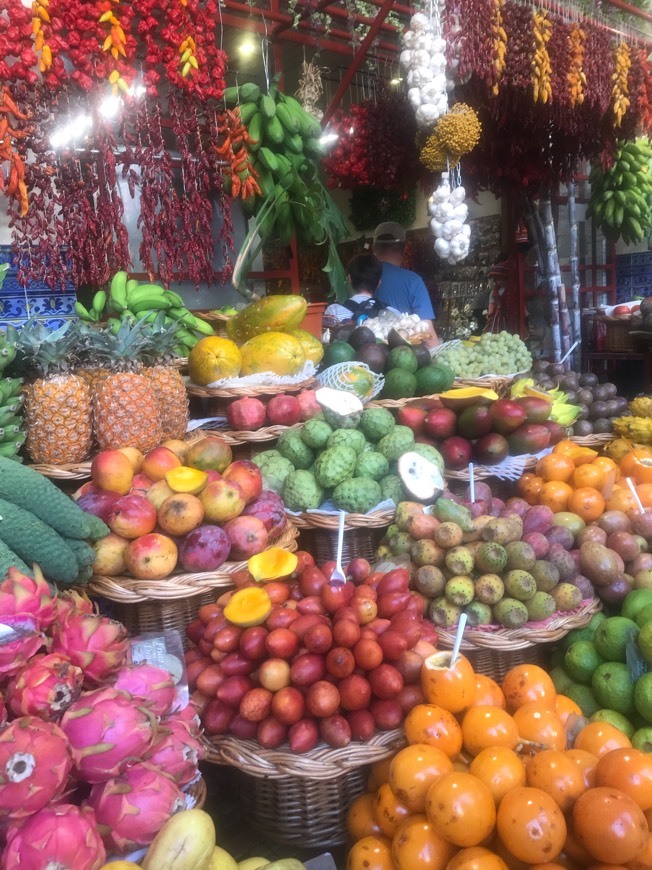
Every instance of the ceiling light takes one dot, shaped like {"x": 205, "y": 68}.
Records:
{"x": 247, "y": 47}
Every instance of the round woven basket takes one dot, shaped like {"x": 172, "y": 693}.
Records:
{"x": 498, "y": 383}
{"x": 394, "y": 404}
{"x": 330, "y": 522}
{"x": 236, "y": 438}
{"x": 67, "y": 471}
{"x": 197, "y": 790}
{"x": 177, "y": 587}
{"x": 598, "y": 440}
{"x": 245, "y": 392}
{"x": 217, "y": 321}
{"x": 493, "y": 650}
{"x": 356, "y": 544}
{"x": 302, "y": 799}
{"x": 480, "y": 472}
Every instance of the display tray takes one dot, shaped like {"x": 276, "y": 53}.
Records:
{"x": 499, "y": 639}
{"x": 179, "y": 586}
{"x": 330, "y": 522}
{"x": 323, "y": 762}
{"x": 246, "y": 392}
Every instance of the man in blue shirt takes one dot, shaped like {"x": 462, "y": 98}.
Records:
{"x": 400, "y": 288}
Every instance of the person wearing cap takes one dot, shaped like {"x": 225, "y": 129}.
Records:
{"x": 400, "y": 288}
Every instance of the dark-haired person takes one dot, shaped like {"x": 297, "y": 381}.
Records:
{"x": 364, "y": 273}
{"x": 400, "y": 288}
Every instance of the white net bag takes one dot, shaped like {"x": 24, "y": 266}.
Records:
{"x": 352, "y": 377}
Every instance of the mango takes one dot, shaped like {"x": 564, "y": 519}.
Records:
{"x": 253, "y": 864}
{"x": 185, "y": 842}
{"x": 221, "y": 860}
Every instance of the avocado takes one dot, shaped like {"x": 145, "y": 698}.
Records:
{"x": 337, "y": 352}
{"x": 423, "y": 355}
{"x": 402, "y": 358}
{"x": 374, "y": 355}
{"x": 343, "y": 332}
{"x": 433, "y": 379}
{"x": 361, "y": 335}
{"x": 395, "y": 339}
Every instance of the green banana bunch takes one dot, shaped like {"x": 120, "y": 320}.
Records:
{"x": 12, "y": 434}
{"x": 621, "y": 197}
{"x": 7, "y": 349}
{"x": 94, "y": 314}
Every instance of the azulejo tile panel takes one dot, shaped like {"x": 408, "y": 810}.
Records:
{"x": 18, "y": 303}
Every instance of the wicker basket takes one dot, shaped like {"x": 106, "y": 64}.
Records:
{"x": 617, "y": 337}
{"x": 237, "y": 438}
{"x": 67, "y": 471}
{"x": 302, "y": 799}
{"x": 498, "y": 383}
{"x": 330, "y": 522}
{"x": 598, "y": 440}
{"x": 197, "y": 790}
{"x": 178, "y": 587}
{"x": 493, "y": 651}
{"x": 357, "y": 544}
{"x": 481, "y": 472}
{"x": 217, "y": 321}
{"x": 245, "y": 392}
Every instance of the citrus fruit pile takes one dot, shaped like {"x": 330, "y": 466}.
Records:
{"x": 486, "y": 782}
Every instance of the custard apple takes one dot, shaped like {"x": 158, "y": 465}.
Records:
{"x": 375, "y": 423}
{"x": 357, "y": 495}
{"x": 315, "y": 433}
{"x": 274, "y": 473}
{"x": 292, "y": 447}
{"x": 301, "y": 492}
{"x": 347, "y": 438}
{"x": 373, "y": 465}
{"x": 335, "y": 465}
{"x": 392, "y": 488}
{"x": 431, "y": 454}
{"x": 399, "y": 441}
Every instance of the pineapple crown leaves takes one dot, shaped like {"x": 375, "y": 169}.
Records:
{"x": 134, "y": 342}
{"x": 161, "y": 340}
{"x": 41, "y": 351}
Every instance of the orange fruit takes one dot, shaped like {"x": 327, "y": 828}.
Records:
{"x": 555, "y": 466}
{"x": 600, "y": 738}
{"x": 413, "y": 770}
{"x": 607, "y": 465}
{"x": 555, "y": 495}
{"x": 587, "y": 763}
{"x": 524, "y": 684}
{"x": 529, "y": 487}
{"x": 450, "y": 688}
{"x": 483, "y": 727}
{"x": 488, "y": 693}
{"x": 644, "y": 492}
{"x": 427, "y": 723}
{"x": 370, "y": 853}
{"x": 630, "y": 461}
{"x": 461, "y": 809}
{"x": 531, "y": 825}
{"x": 579, "y": 455}
{"x": 588, "y": 475}
{"x": 499, "y": 769}
{"x": 556, "y": 774}
{"x": 477, "y": 858}
{"x": 610, "y": 825}
{"x": 379, "y": 774}
{"x": 587, "y": 503}
{"x": 630, "y": 771}
{"x": 621, "y": 499}
{"x": 565, "y": 707}
{"x": 388, "y": 811}
{"x": 360, "y": 820}
{"x": 643, "y": 861}
{"x": 539, "y": 725}
{"x": 417, "y": 846}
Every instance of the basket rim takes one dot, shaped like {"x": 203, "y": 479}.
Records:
{"x": 180, "y": 586}
{"x": 321, "y": 763}
{"x": 237, "y": 437}
{"x": 528, "y": 635}
{"x": 198, "y": 790}
{"x": 480, "y": 472}
{"x": 330, "y": 522}
{"x": 592, "y": 440}
{"x": 245, "y": 392}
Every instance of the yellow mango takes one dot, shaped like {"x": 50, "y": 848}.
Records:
{"x": 253, "y": 864}
{"x": 221, "y": 860}
{"x": 185, "y": 842}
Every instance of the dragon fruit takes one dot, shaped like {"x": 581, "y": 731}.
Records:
{"x": 3, "y": 712}
{"x": 22, "y": 594}
{"x": 107, "y": 731}
{"x": 132, "y": 809}
{"x": 176, "y": 751}
{"x": 190, "y": 716}
{"x": 73, "y": 602}
{"x": 99, "y": 646}
{"x": 20, "y": 639}
{"x": 35, "y": 762}
{"x": 150, "y": 684}
{"x": 45, "y": 687}
{"x": 60, "y": 837}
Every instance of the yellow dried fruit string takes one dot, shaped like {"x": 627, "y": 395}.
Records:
{"x": 188, "y": 59}
{"x": 41, "y": 16}
{"x": 115, "y": 44}
{"x": 575, "y": 77}
{"x": 619, "y": 77}
{"x": 500, "y": 43}
{"x": 541, "y": 66}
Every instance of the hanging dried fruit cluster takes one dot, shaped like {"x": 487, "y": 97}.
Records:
{"x": 455, "y": 134}
{"x": 541, "y": 67}
{"x": 499, "y": 44}
{"x": 234, "y": 151}
{"x": 375, "y": 146}
{"x": 620, "y": 91}
{"x": 575, "y": 76}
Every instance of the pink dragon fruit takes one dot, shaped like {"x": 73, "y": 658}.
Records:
{"x": 73, "y": 602}
{"x": 45, "y": 687}
{"x": 22, "y": 594}
{"x": 176, "y": 751}
{"x": 150, "y": 684}
{"x": 132, "y": 809}
{"x": 189, "y": 715}
{"x": 35, "y": 762}
{"x": 20, "y": 639}
{"x": 97, "y": 645}
{"x": 107, "y": 731}
{"x": 3, "y": 712}
{"x": 60, "y": 837}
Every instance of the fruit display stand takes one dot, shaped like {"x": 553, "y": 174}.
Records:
{"x": 171, "y": 603}
{"x": 302, "y": 799}
{"x": 217, "y": 398}
{"x": 362, "y": 533}
{"x": 493, "y": 650}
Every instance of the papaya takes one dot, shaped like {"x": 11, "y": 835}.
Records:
{"x": 185, "y": 842}
{"x": 267, "y": 315}
{"x": 313, "y": 348}
{"x": 212, "y": 359}
{"x": 274, "y": 352}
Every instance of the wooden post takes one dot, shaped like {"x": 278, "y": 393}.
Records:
{"x": 575, "y": 273}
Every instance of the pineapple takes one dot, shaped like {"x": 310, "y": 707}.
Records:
{"x": 169, "y": 386}
{"x": 125, "y": 407}
{"x": 57, "y": 407}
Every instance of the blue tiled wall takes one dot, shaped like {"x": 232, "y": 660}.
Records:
{"x": 633, "y": 275}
